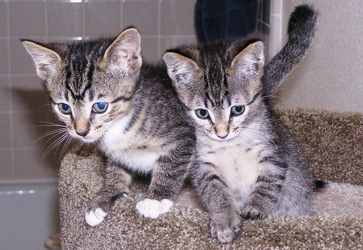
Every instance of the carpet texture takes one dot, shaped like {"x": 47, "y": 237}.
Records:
{"x": 331, "y": 142}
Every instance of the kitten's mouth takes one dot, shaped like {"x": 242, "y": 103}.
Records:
{"x": 87, "y": 139}
{"x": 220, "y": 138}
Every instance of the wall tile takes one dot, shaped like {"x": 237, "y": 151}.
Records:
{"x": 5, "y": 94}
{"x": 4, "y": 57}
{"x": 28, "y": 130}
{"x": 150, "y": 49}
{"x": 28, "y": 94}
{"x": 6, "y": 166}
{"x": 141, "y": 14}
{"x": 29, "y": 164}
{"x": 5, "y": 132}
{"x": 174, "y": 41}
{"x": 21, "y": 61}
{"x": 65, "y": 19}
{"x": 4, "y": 19}
{"x": 103, "y": 18}
{"x": 27, "y": 18}
{"x": 177, "y": 17}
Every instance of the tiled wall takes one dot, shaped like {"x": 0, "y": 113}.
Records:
{"x": 23, "y": 103}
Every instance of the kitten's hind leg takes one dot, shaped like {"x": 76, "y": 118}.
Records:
{"x": 116, "y": 185}
{"x": 266, "y": 193}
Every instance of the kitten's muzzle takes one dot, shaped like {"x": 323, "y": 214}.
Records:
{"x": 82, "y": 127}
{"x": 222, "y": 130}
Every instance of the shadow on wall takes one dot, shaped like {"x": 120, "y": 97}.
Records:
{"x": 46, "y": 131}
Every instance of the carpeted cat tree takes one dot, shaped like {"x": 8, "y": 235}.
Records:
{"x": 332, "y": 143}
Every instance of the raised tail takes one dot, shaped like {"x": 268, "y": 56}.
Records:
{"x": 301, "y": 31}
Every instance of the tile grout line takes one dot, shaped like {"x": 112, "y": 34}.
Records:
{"x": 159, "y": 28}
{"x": 11, "y": 96}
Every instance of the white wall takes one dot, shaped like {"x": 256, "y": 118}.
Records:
{"x": 331, "y": 76}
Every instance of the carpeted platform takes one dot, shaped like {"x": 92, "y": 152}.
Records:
{"x": 332, "y": 143}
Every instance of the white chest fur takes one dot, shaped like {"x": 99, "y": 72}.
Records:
{"x": 132, "y": 150}
{"x": 238, "y": 167}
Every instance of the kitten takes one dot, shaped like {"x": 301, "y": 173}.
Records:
{"x": 246, "y": 166}
{"x": 104, "y": 94}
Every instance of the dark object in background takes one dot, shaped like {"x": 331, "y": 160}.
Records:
{"x": 224, "y": 19}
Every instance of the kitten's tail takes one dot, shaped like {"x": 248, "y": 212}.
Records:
{"x": 301, "y": 31}
{"x": 320, "y": 185}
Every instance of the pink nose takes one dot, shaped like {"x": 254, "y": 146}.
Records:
{"x": 222, "y": 130}
{"x": 81, "y": 127}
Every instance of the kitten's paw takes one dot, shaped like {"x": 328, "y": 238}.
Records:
{"x": 226, "y": 227}
{"x": 153, "y": 208}
{"x": 250, "y": 212}
{"x": 100, "y": 206}
{"x": 95, "y": 217}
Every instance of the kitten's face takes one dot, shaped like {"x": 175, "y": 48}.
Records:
{"x": 90, "y": 84}
{"x": 222, "y": 91}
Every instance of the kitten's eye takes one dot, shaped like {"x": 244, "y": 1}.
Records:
{"x": 100, "y": 107}
{"x": 202, "y": 113}
{"x": 237, "y": 110}
{"x": 64, "y": 108}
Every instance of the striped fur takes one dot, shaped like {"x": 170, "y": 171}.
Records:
{"x": 105, "y": 95}
{"x": 246, "y": 164}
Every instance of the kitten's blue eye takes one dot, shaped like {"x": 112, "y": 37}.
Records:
{"x": 64, "y": 108}
{"x": 237, "y": 110}
{"x": 202, "y": 113}
{"x": 100, "y": 107}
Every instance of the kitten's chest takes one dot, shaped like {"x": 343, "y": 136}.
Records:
{"x": 235, "y": 164}
{"x": 134, "y": 150}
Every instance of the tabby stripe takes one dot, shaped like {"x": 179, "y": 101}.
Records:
{"x": 207, "y": 180}
{"x": 255, "y": 97}
{"x": 270, "y": 179}
{"x": 90, "y": 75}
{"x": 264, "y": 193}
{"x": 121, "y": 98}
{"x": 67, "y": 96}
{"x": 91, "y": 95}
{"x": 134, "y": 118}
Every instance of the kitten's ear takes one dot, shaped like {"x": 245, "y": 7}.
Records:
{"x": 46, "y": 60}
{"x": 124, "y": 54}
{"x": 249, "y": 62}
{"x": 181, "y": 69}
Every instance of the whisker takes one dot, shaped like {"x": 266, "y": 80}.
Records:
{"x": 52, "y": 134}
{"x": 55, "y": 144}
{"x": 50, "y": 124}
{"x": 68, "y": 141}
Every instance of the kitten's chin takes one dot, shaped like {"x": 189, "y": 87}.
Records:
{"x": 89, "y": 141}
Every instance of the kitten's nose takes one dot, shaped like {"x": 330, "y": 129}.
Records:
{"x": 81, "y": 127}
{"x": 82, "y": 132}
{"x": 222, "y": 130}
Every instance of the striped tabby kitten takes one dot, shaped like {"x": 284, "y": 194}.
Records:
{"x": 247, "y": 166}
{"x": 104, "y": 95}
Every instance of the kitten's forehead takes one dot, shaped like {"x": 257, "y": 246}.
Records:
{"x": 214, "y": 61}
{"x": 81, "y": 61}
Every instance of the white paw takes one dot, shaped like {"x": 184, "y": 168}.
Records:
{"x": 95, "y": 217}
{"x": 153, "y": 208}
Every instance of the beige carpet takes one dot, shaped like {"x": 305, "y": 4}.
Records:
{"x": 333, "y": 144}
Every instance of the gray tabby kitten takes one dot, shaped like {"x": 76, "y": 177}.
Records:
{"x": 104, "y": 94}
{"x": 247, "y": 166}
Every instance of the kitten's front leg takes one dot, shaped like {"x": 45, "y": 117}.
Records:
{"x": 166, "y": 181}
{"x": 116, "y": 185}
{"x": 266, "y": 192}
{"x": 224, "y": 212}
